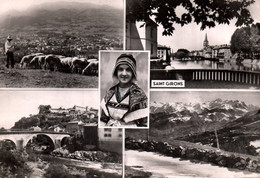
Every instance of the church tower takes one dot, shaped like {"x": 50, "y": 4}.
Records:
{"x": 206, "y": 42}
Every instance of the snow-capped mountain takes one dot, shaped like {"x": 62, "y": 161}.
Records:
{"x": 212, "y": 111}
{"x": 184, "y": 119}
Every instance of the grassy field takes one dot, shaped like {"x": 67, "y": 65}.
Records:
{"x": 36, "y": 78}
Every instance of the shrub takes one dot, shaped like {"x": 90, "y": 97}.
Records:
{"x": 57, "y": 171}
{"x": 12, "y": 164}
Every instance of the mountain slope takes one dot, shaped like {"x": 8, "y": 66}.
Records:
{"x": 64, "y": 28}
{"x": 192, "y": 118}
{"x": 65, "y": 13}
{"x": 235, "y": 136}
{"x": 235, "y": 123}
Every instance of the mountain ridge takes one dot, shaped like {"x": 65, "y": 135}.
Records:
{"x": 61, "y": 10}
{"x": 193, "y": 118}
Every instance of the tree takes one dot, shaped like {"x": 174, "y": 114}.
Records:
{"x": 255, "y": 40}
{"x": 204, "y": 12}
{"x": 43, "y": 109}
{"x": 240, "y": 41}
{"x": 2, "y": 129}
{"x": 182, "y": 53}
{"x": 26, "y": 122}
{"x": 246, "y": 40}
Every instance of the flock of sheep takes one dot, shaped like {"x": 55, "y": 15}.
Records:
{"x": 60, "y": 63}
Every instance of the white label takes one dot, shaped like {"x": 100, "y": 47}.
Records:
{"x": 168, "y": 83}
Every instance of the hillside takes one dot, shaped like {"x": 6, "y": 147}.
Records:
{"x": 236, "y": 123}
{"x": 235, "y": 135}
{"x": 64, "y": 28}
{"x": 49, "y": 117}
{"x": 64, "y": 15}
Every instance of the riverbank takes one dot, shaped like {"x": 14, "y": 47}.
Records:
{"x": 157, "y": 165}
{"x": 48, "y": 165}
{"x": 99, "y": 156}
{"x": 205, "y": 154}
{"x": 80, "y": 164}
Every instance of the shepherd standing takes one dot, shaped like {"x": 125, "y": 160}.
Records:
{"x": 9, "y": 48}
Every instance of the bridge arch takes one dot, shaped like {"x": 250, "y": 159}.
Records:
{"x": 8, "y": 143}
{"x": 21, "y": 138}
{"x": 35, "y": 135}
{"x": 64, "y": 140}
{"x": 40, "y": 148}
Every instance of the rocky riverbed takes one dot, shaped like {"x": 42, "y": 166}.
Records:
{"x": 99, "y": 156}
{"x": 154, "y": 165}
{"x": 77, "y": 164}
{"x": 217, "y": 157}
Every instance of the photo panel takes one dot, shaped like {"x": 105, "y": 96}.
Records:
{"x": 129, "y": 88}
{"x": 198, "y": 133}
{"x": 58, "y": 129}
{"x": 124, "y": 89}
{"x": 197, "y": 51}
{"x": 55, "y": 44}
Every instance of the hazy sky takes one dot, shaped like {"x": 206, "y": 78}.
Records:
{"x": 191, "y": 37}
{"x": 20, "y": 5}
{"x": 17, "y": 104}
{"x": 249, "y": 97}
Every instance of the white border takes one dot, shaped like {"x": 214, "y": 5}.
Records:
{"x": 123, "y": 153}
{"x": 124, "y": 28}
{"x": 48, "y": 89}
{"x": 202, "y": 89}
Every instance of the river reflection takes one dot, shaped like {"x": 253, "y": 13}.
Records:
{"x": 207, "y": 64}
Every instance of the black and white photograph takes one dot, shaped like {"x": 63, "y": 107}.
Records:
{"x": 55, "y": 43}
{"x": 129, "y": 88}
{"x": 56, "y": 134}
{"x": 208, "y": 44}
{"x": 124, "y": 84}
{"x": 197, "y": 134}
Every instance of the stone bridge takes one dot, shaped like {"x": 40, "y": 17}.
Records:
{"x": 21, "y": 138}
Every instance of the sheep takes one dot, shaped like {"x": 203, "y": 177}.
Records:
{"x": 41, "y": 61}
{"x": 91, "y": 68}
{"x": 37, "y": 62}
{"x": 27, "y": 59}
{"x": 52, "y": 63}
{"x": 78, "y": 64}
{"x": 66, "y": 63}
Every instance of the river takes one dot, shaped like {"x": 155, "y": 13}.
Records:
{"x": 206, "y": 64}
{"x": 162, "y": 166}
{"x": 256, "y": 144}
